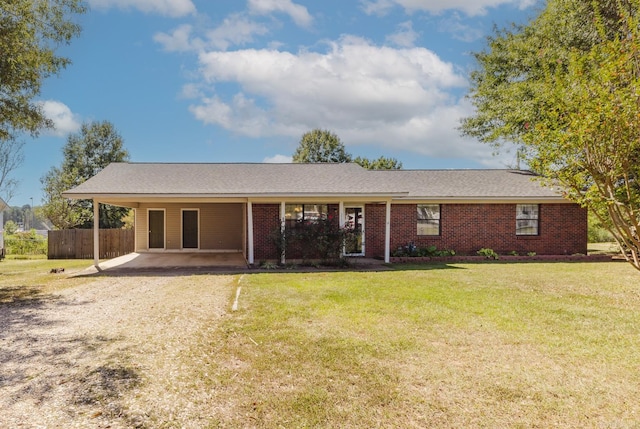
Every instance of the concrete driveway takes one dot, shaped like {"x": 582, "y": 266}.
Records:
{"x": 152, "y": 261}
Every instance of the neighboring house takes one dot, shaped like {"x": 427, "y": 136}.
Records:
{"x": 3, "y": 206}
{"x": 237, "y": 207}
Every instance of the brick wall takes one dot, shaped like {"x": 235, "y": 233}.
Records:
{"x": 374, "y": 230}
{"x": 466, "y": 228}
{"x": 266, "y": 219}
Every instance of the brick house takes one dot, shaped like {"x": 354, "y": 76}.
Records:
{"x": 184, "y": 207}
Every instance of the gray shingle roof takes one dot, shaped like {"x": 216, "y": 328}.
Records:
{"x": 467, "y": 183}
{"x": 219, "y": 180}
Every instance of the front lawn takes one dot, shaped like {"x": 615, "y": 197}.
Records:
{"x": 465, "y": 345}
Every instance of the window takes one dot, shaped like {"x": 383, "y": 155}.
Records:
{"x": 295, "y": 213}
{"x": 428, "y": 219}
{"x": 527, "y": 219}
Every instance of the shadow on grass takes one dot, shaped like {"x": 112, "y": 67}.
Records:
{"x": 17, "y": 294}
{"x": 424, "y": 267}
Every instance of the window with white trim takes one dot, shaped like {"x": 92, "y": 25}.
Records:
{"x": 527, "y": 219}
{"x": 304, "y": 213}
{"x": 428, "y": 219}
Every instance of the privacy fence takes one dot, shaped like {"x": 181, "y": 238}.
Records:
{"x": 78, "y": 243}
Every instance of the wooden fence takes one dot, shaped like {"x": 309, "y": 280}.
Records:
{"x": 78, "y": 243}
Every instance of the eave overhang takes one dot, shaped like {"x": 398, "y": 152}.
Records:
{"x": 133, "y": 200}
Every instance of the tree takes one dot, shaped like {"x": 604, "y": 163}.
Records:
{"x": 320, "y": 146}
{"x": 382, "y": 163}
{"x": 10, "y": 227}
{"x": 11, "y": 157}
{"x": 30, "y": 32}
{"x": 324, "y": 146}
{"x": 62, "y": 212}
{"x": 566, "y": 89}
{"x": 86, "y": 153}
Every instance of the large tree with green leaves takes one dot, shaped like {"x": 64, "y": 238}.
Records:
{"x": 86, "y": 153}
{"x": 325, "y": 146}
{"x": 320, "y": 146}
{"x": 566, "y": 89}
{"x": 30, "y": 33}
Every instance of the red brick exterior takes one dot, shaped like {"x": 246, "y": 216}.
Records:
{"x": 266, "y": 220}
{"x": 465, "y": 228}
{"x": 374, "y": 230}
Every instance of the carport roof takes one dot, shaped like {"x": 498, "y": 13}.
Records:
{"x": 148, "y": 180}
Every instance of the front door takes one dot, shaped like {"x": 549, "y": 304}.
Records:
{"x": 190, "y": 229}
{"x": 354, "y": 220}
{"x": 156, "y": 229}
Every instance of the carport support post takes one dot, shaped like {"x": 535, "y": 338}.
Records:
{"x": 96, "y": 233}
{"x": 283, "y": 215}
{"x": 341, "y": 221}
{"x": 250, "y": 230}
{"x": 387, "y": 232}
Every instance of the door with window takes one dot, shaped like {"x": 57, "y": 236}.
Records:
{"x": 156, "y": 229}
{"x": 189, "y": 229}
{"x": 354, "y": 220}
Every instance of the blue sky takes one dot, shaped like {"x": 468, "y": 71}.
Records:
{"x": 242, "y": 80}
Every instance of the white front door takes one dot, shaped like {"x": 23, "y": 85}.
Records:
{"x": 354, "y": 219}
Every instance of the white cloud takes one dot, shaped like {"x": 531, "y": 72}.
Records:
{"x": 469, "y": 7}
{"x": 377, "y": 7}
{"x": 405, "y": 36}
{"x": 236, "y": 29}
{"x": 64, "y": 120}
{"x": 394, "y": 98}
{"x": 278, "y": 159}
{"x": 178, "y": 40}
{"x": 171, "y": 8}
{"x": 298, "y": 13}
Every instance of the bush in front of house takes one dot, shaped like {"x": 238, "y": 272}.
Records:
{"x": 320, "y": 239}
{"x": 411, "y": 250}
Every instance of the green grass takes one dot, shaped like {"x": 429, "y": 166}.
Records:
{"x": 28, "y": 278}
{"x": 467, "y": 345}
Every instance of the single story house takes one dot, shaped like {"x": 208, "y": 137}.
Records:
{"x": 208, "y": 207}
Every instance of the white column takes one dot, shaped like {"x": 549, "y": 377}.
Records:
{"x": 283, "y": 213}
{"x": 96, "y": 233}
{"x": 387, "y": 233}
{"x": 341, "y": 221}
{"x": 250, "y": 230}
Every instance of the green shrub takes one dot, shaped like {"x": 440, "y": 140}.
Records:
{"x": 411, "y": 250}
{"x": 488, "y": 253}
{"x": 25, "y": 243}
{"x": 321, "y": 239}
